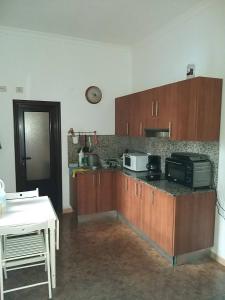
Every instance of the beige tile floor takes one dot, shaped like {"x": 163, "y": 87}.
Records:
{"x": 104, "y": 260}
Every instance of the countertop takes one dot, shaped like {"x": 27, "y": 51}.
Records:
{"x": 171, "y": 188}
{"x": 164, "y": 185}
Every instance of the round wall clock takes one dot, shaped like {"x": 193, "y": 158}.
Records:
{"x": 93, "y": 94}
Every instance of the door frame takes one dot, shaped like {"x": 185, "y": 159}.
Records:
{"x": 56, "y": 106}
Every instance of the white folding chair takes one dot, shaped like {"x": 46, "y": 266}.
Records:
{"x": 23, "y": 195}
{"x": 22, "y": 251}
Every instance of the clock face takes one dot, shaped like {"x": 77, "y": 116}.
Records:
{"x": 93, "y": 94}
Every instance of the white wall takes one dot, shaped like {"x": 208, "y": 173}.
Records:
{"x": 57, "y": 68}
{"x": 196, "y": 37}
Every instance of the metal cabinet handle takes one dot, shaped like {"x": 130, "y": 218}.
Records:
{"x": 127, "y": 184}
{"x": 156, "y": 108}
{"x": 170, "y": 129}
{"x": 152, "y": 108}
{"x": 136, "y": 189}
{"x": 153, "y": 197}
{"x": 99, "y": 178}
{"x": 140, "y": 129}
{"x": 140, "y": 191}
{"x": 93, "y": 179}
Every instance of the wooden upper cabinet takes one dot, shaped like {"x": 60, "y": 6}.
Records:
{"x": 122, "y": 109}
{"x": 197, "y": 106}
{"x": 189, "y": 109}
{"x": 105, "y": 190}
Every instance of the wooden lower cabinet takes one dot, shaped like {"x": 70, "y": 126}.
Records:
{"x": 94, "y": 192}
{"x": 177, "y": 224}
{"x": 86, "y": 193}
{"x": 105, "y": 191}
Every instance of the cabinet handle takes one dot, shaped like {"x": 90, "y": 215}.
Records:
{"x": 127, "y": 128}
{"x": 93, "y": 179}
{"x": 152, "y": 108}
{"x": 156, "y": 108}
{"x": 141, "y": 128}
{"x": 127, "y": 184}
{"x": 170, "y": 129}
{"x": 136, "y": 189}
{"x": 140, "y": 190}
{"x": 99, "y": 178}
{"x": 152, "y": 197}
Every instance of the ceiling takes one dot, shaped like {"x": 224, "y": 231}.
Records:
{"x": 114, "y": 21}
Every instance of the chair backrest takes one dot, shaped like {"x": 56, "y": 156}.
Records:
{"x": 23, "y": 195}
{"x": 25, "y": 228}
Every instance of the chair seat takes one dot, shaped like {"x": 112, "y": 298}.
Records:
{"x": 23, "y": 246}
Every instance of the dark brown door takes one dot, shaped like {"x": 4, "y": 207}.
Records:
{"x": 37, "y": 135}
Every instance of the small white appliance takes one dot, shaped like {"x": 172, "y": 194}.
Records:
{"x": 135, "y": 161}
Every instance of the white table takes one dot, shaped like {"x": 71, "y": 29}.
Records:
{"x": 34, "y": 210}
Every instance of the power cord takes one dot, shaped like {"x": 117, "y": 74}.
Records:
{"x": 219, "y": 205}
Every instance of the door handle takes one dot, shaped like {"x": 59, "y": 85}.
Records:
{"x": 27, "y": 158}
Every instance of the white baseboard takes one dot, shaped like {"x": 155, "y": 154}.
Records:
{"x": 67, "y": 210}
{"x": 217, "y": 258}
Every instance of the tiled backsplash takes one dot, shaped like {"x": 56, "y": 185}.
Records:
{"x": 111, "y": 146}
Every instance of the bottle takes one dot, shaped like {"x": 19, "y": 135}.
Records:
{"x": 81, "y": 158}
{"x": 2, "y": 197}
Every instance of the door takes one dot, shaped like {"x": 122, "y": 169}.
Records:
{"x": 37, "y": 137}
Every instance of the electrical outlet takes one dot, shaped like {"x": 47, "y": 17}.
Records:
{"x": 19, "y": 89}
{"x": 3, "y": 89}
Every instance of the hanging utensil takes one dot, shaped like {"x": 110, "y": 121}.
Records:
{"x": 85, "y": 149}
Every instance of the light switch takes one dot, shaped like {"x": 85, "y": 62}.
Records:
{"x": 19, "y": 89}
{"x": 3, "y": 89}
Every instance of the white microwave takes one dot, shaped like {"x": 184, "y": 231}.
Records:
{"x": 135, "y": 161}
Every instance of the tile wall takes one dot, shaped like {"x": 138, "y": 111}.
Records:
{"x": 111, "y": 146}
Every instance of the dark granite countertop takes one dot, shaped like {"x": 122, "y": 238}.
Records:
{"x": 164, "y": 185}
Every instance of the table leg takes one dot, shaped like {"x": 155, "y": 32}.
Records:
{"x": 52, "y": 257}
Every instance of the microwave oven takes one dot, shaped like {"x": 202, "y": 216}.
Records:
{"x": 135, "y": 161}
{"x": 190, "y": 169}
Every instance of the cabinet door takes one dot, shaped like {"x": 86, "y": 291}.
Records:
{"x": 119, "y": 191}
{"x": 183, "y": 126}
{"x": 163, "y": 97}
{"x": 146, "y": 209}
{"x": 104, "y": 191}
{"x": 86, "y": 193}
{"x": 208, "y": 108}
{"x": 137, "y": 115}
{"x": 162, "y": 225}
{"x": 122, "y": 116}
{"x": 134, "y": 202}
{"x": 148, "y": 106}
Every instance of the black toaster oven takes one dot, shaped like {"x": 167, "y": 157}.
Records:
{"x": 190, "y": 169}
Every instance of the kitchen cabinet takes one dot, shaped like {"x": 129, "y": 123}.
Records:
{"x": 197, "y": 106}
{"x": 122, "y": 115}
{"x": 93, "y": 192}
{"x": 105, "y": 191}
{"x": 156, "y": 106}
{"x": 86, "y": 193}
{"x": 188, "y": 110}
{"x": 177, "y": 224}
{"x": 162, "y": 224}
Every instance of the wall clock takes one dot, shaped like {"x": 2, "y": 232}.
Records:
{"x": 93, "y": 94}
